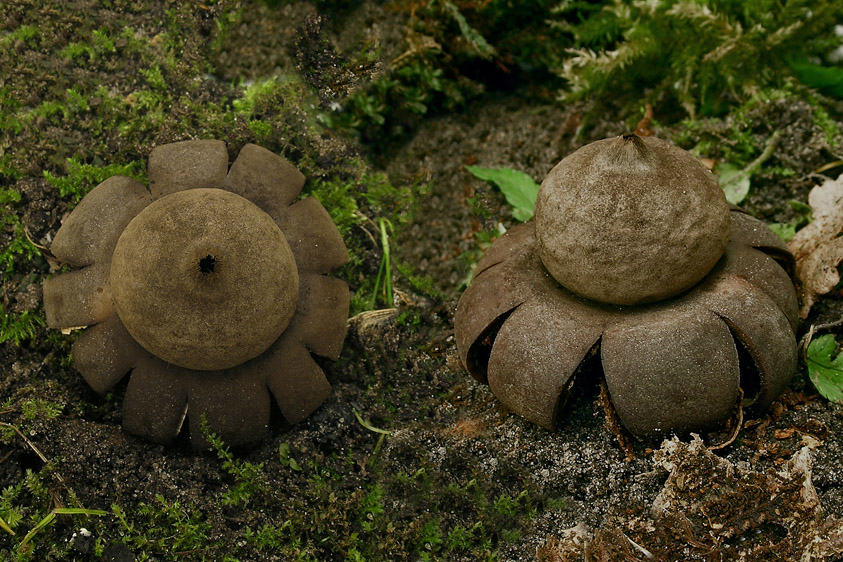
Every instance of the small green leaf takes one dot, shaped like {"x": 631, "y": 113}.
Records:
{"x": 519, "y": 189}
{"x": 783, "y": 230}
{"x": 803, "y": 209}
{"x": 285, "y": 458}
{"x": 826, "y": 373}
{"x": 734, "y": 181}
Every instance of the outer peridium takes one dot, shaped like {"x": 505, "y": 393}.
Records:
{"x": 524, "y": 334}
{"x": 159, "y": 395}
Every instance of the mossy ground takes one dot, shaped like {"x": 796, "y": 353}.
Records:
{"x": 409, "y": 459}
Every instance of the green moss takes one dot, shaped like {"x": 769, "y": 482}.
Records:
{"x": 461, "y": 538}
{"x": 20, "y": 249}
{"x": 358, "y": 207}
{"x": 40, "y": 409}
{"x": 76, "y": 101}
{"x": 643, "y": 54}
{"x": 81, "y": 177}
{"x": 74, "y": 51}
{"x": 430, "y": 537}
{"x": 28, "y": 518}
{"x": 336, "y": 195}
{"x": 831, "y": 128}
{"x": 261, "y": 129}
{"x": 164, "y": 527}
{"x": 410, "y": 318}
{"x": 25, "y": 34}
{"x": 102, "y": 42}
{"x": 9, "y": 196}
{"x": 248, "y": 477}
{"x": 254, "y": 94}
{"x": 372, "y": 507}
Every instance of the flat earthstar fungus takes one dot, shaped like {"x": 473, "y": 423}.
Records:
{"x": 633, "y": 254}
{"x": 210, "y": 287}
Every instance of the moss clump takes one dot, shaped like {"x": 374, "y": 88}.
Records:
{"x": 627, "y": 52}
{"x": 450, "y": 53}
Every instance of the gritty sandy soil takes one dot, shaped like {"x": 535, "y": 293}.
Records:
{"x": 454, "y": 457}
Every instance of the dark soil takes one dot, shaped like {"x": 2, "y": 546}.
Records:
{"x": 457, "y": 477}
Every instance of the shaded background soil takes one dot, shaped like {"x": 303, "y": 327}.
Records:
{"x": 456, "y": 477}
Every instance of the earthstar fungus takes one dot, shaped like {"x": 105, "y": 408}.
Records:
{"x": 634, "y": 254}
{"x": 210, "y": 287}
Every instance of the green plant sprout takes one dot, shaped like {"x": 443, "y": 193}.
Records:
{"x": 285, "y": 459}
{"x": 165, "y": 528}
{"x": 51, "y": 516}
{"x": 20, "y": 248}
{"x": 383, "y": 433}
{"x": 368, "y": 425}
{"x": 519, "y": 189}
{"x": 786, "y": 230}
{"x": 383, "y": 281}
{"x": 825, "y": 372}
{"x": 249, "y": 478}
{"x": 735, "y": 181}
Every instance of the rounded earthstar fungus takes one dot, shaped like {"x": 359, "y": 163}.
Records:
{"x": 210, "y": 287}
{"x": 676, "y": 364}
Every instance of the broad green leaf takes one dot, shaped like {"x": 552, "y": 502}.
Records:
{"x": 826, "y": 373}
{"x": 734, "y": 181}
{"x": 519, "y": 189}
{"x": 827, "y": 79}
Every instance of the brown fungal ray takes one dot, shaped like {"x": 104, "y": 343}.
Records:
{"x": 763, "y": 259}
{"x": 265, "y": 179}
{"x": 243, "y": 415}
{"x": 506, "y": 283}
{"x": 670, "y": 370}
{"x": 512, "y": 245}
{"x": 161, "y": 396}
{"x": 90, "y": 232}
{"x": 763, "y": 272}
{"x": 630, "y": 220}
{"x": 105, "y": 353}
{"x": 86, "y": 239}
{"x": 78, "y": 298}
{"x": 320, "y": 321}
{"x": 155, "y": 404}
{"x": 755, "y": 233}
{"x": 187, "y": 165}
{"x": 761, "y": 328}
{"x": 531, "y": 375}
{"x": 315, "y": 241}
{"x": 295, "y": 379}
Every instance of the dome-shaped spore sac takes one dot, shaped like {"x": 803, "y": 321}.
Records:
{"x": 630, "y": 220}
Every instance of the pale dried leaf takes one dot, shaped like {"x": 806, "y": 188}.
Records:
{"x": 826, "y": 200}
{"x": 817, "y": 272}
{"x": 817, "y": 247}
